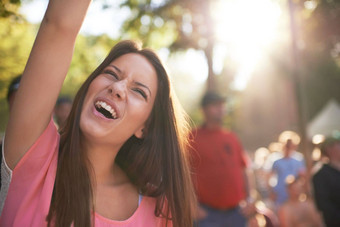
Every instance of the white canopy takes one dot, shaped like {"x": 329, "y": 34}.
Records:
{"x": 326, "y": 121}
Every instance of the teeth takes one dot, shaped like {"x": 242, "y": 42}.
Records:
{"x": 106, "y": 107}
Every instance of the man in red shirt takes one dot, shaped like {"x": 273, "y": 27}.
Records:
{"x": 218, "y": 165}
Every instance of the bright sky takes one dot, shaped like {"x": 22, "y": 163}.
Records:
{"x": 97, "y": 21}
{"x": 244, "y": 30}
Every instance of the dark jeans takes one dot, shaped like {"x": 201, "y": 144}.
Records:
{"x": 222, "y": 218}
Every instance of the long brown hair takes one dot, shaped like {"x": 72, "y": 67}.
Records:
{"x": 156, "y": 164}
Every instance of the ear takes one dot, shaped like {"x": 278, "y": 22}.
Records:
{"x": 140, "y": 133}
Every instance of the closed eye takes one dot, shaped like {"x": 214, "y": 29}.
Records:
{"x": 110, "y": 72}
{"x": 141, "y": 92}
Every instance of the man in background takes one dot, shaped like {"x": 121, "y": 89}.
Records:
{"x": 219, "y": 168}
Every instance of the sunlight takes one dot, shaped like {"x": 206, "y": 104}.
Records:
{"x": 260, "y": 156}
{"x": 247, "y": 27}
{"x": 192, "y": 63}
{"x": 284, "y": 136}
{"x": 93, "y": 23}
{"x": 188, "y": 72}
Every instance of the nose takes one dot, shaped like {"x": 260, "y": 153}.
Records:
{"x": 118, "y": 89}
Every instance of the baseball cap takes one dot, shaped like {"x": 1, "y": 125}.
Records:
{"x": 212, "y": 97}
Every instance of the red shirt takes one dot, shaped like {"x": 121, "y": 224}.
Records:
{"x": 218, "y": 164}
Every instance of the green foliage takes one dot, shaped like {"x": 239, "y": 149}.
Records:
{"x": 153, "y": 30}
{"x": 179, "y": 25}
{"x": 16, "y": 41}
{"x": 320, "y": 57}
{"x": 17, "y": 37}
{"x": 9, "y": 8}
{"x": 88, "y": 54}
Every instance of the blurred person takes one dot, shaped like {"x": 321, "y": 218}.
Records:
{"x": 295, "y": 139}
{"x": 261, "y": 174}
{"x": 61, "y": 110}
{"x": 276, "y": 148}
{"x": 275, "y": 153}
{"x": 119, "y": 161}
{"x": 219, "y": 168}
{"x": 259, "y": 215}
{"x": 298, "y": 210}
{"x": 326, "y": 182}
{"x": 11, "y": 92}
{"x": 283, "y": 167}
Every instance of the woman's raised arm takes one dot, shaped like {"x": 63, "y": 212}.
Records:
{"x": 43, "y": 76}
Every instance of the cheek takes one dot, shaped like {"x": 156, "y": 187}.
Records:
{"x": 86, "y": 102}
{"x": 94, "y": 85}
{"x": 142, "y": 112}
{"x": 93, "y": 89}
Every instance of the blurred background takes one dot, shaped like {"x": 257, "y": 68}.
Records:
{"x": 277, "y": 61}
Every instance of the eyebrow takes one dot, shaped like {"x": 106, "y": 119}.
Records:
{"x": 143, "y": 85}
{"x": 120, "y": 71}
{"x": 136, "y": 82}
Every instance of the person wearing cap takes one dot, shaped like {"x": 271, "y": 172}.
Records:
{"x": 218, "y": 166}
{"x": 12, "y": 89}
{"x": 326, "y": 183}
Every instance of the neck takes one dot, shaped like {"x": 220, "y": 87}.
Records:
{"x": 288, "y": 153}
{"x": 105, "y": 170}
{"x": 212, "y": 125}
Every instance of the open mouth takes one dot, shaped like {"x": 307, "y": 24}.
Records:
{"x": 106, "y": 110}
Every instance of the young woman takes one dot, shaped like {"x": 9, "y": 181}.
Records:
{"x": 119, "y": 160}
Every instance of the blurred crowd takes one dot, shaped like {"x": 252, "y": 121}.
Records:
{"x": 272, "y": 186}
{"x": 300, "y": 195}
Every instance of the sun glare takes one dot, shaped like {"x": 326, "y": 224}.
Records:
{"x": 192, "y": 63}
{"x": 247, "y": 27}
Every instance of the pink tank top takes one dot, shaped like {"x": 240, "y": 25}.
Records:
{"x": 31, "y": 185}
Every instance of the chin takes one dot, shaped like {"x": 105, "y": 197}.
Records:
{"x": 87, "y": 128}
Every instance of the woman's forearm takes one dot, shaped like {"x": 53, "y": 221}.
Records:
{"x": 44, "y": 75}
{"x": 66, "y": 15}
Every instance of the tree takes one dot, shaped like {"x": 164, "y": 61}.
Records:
{"x": 9, "y": 8}
{"x": 183, "y": 24}
{"x": 17, "y": 37}
{"x": 89, "y": 52}
{"x": 320, "y": 54}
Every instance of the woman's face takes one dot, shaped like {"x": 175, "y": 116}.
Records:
{"x": 119, "y": 100}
